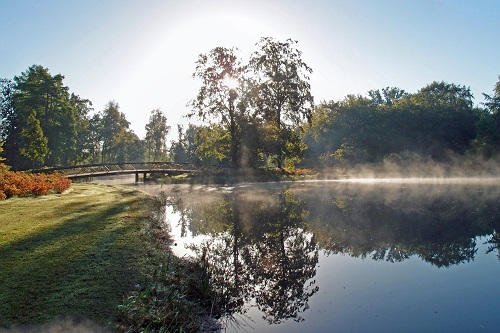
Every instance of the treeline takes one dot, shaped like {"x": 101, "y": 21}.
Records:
{"x": 255, "y": 113}
{"x": 43, "y": 124}
{"x": 438, "y": 121}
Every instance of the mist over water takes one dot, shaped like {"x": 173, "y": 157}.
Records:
{"x": 455, "y": 168}
{"x": 334, "y": 254}
{"x": 379, "y": 254}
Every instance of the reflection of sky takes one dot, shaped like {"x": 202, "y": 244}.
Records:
{"x": 362, "y": 295}
{"x": 180, "y": 243}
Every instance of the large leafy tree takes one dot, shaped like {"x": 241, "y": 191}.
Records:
{"x": 35, "y": 143}
{"x": 220, "y": 72}
{"x": 281, "y": 92}
{"x": 84, "y": 142}
{"x": 46, "y": 95}
{"x": 118, "y": 142}
{"x": 488, "y": 125}
{"x": 10, "y": 124}
{"x": 156, "y": 135}
{"x": 184, "y": 149}
{"x": 113, "y": 126}
{"x": 439, "y": 118}
{"x": 444, "y": 117}
{"x": 95, "y": 138}
{"x": 62, "y": 116}
{"x": 492, "y": 102}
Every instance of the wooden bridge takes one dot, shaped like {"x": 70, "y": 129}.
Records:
{"x": 144, "y": 168}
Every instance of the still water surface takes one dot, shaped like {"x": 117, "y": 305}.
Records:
{"x": 379, "y": 256}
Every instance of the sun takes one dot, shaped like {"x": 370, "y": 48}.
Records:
{"x": 231, "y": 83}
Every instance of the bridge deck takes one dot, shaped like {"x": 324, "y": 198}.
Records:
{"x": 96, "y": 170}
{"x": 118, "y": 172}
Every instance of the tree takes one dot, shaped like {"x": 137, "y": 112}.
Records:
{"x": 220, "y": 72}
{"x": 63, "y": 117}
{"x": 184, "y": 149}
{"x": 445, "y": 117}
{"x": 3, "y": 167}
{"x": 127, "y": 147}
{"x": 35, "y": 143}
{"x": 280, "y": 90}
{"x": 113, "y": 126}
{"x": 10, "y": 124}
{"x": 493, "y": 102}
{"x": 156, "y": 134}
{"x": 95, "y": 138}
{"x": 46, "y": 95}
{"x": 7, "y": 113}
{"x": 213, "y": 144}
{"x": 84, "y": 147}
{"x": 488, "y": 125}
{"x": 388, "y": 96}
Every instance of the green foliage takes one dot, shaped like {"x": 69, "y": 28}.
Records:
{"x": 256, "y": 114}
{"x": 61, "y": 117}
{"x": 35, "y": 143}
{"x": 72, "y": 135}
{"x": 261, "y": 112}
{"x": 437, "y": 119}
{"x": 40, "y": 92}
{"x": 220, "y": 72}
{"x": 280, "y": 90}
{"x": 487, "y": 141}
{"x": 184, "y": 149}
{"x": 214, "y": 144}
{"x": 3, "y": 168}
{"x": 156, "y": 135}
{"x": 493, "y": 102}
{"x": 84, "y": 135}
{"x": 118, "y": 142}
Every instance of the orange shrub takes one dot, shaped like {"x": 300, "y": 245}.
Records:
{"x": 60, "y": 182}
{"x": 23, "y": 184}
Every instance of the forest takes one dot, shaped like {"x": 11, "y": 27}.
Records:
{"x": 253, "y": 114}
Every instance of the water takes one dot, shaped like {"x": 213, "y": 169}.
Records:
{"x": 359, "y": 256}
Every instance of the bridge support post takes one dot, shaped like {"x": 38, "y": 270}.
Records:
{"x": 145, "y": 175}
{"x": 136, "y": 177}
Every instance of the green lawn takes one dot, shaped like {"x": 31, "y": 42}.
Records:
{"x": 77, "y": 253}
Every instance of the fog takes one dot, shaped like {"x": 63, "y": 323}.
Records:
{"x": 60, "y": 325}
{"x": 412, "y": 165}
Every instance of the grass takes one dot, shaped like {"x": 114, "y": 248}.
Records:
{"x": 84, "y": 252}
{"x": 72, "y": 254}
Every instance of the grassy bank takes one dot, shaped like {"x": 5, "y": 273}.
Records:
{"x": 81, "y": 253}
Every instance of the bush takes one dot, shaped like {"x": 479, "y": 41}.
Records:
{"x": 22, "y": 184}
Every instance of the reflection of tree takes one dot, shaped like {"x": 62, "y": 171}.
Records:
{"x": 221, "y": 256}
{"x": 260, "y": 251}
{"x": 284, "y": 261}
{"x": 176, "y": 204}
{"x": 494, "y": 242}
{"x": 436, "y": 223}
{"x": 445, "y": 254}
{"x": 263, "y": 252}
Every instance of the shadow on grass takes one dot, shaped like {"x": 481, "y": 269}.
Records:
{"x": 80, "y": 267}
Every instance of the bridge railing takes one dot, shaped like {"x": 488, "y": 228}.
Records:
{"x": 114, "y": 168}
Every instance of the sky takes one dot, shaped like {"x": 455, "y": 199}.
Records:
{"x": 142, "y": 54}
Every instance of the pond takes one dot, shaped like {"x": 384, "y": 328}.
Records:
{"x": 345, "y": 256}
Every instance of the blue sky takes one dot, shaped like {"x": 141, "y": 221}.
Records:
{"x": 142, "y": 53}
